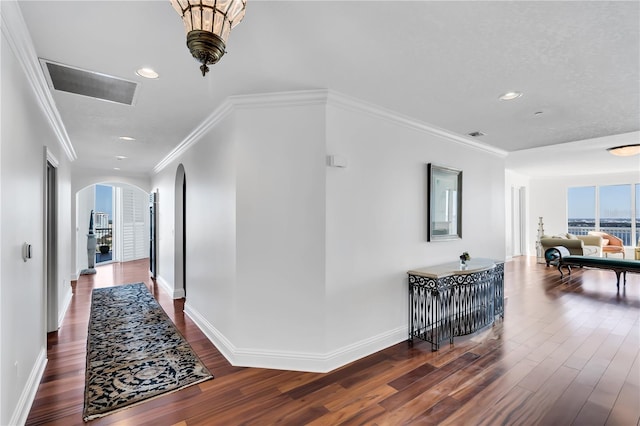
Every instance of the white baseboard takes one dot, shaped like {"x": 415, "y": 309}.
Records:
{"x": 28, "y": 394}
{"x": 65, "y": 305}
{"x": 174, "y": 293}
{"x": 218, "y": 339}
{"x": 297, "y": 361}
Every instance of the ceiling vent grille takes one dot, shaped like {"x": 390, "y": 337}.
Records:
{"x": 89, "y": 83}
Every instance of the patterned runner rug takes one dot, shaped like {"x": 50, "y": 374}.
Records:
{"x": 134, "y": 352}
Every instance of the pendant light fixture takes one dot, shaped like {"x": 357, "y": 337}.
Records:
{"x": 208, "y": 24}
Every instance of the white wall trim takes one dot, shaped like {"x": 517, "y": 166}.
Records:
{"x": 352, "y": 104}
{"x": 23, "y": 407}
{"x": 226, "y": 348}
{"x": 280, "y": 99}
{"x": 168, "y": 288}
{"x": 297, "y": 361}
{"x": 192, "y": 138}
{"x": 52, "y": 158}
{"x": 65, "y": 305}
{"x": 15, "y": 30}
{"x": 316, "y": 97}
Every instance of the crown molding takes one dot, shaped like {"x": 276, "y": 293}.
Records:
{"x": 266, "y": 100}
{"x": 380, "y": 113}
{"x": 15, "y": 31}
{"x": 281, "y": 99}
{"x": 195, "y": 135}
{"x": 315, "y": 97}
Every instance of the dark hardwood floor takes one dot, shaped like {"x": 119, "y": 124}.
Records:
{"x": 567, "y": 352}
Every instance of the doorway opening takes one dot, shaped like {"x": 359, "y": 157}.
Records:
{"x": 51, "y": 238}
{"x": 119, "y": 212}
{"x": 103, "y": 223}
{"x": 180, "y": 226}
{"x": 518, "y": 221}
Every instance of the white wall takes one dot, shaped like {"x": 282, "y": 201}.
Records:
{"x": 164, "y": 186}
{"x": 515, "y": 181}
{"x": 65, "y": 241}
{"x": 377, "y": 220}
{"x": 549, "y": 198}
{"x": 280, "y": 199}
{"x": 211, "y": 228}
{"x": 291, "y": 264}
{"x": 25, "y": 132}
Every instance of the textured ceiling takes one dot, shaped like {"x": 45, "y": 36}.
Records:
{"x": 442, "y": 63}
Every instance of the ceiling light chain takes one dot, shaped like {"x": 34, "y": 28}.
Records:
{"x": 208, "y": 24}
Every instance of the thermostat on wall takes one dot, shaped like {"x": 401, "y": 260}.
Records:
{"x": 336, "y": 161}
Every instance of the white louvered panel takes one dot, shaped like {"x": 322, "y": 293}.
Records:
{"x": 127, "y": 224}
{"x": 128, "y": 242}
{"x": 135, "y": 207}
{"x": 139, "y": 239}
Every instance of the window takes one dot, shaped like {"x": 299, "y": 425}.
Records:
{"x": 581, "y": 202}
{"x": 637, "y": 214}
{"x": 609, "y": 209}
{"x": 615, "y": 211}
{"x": 103, "y": 222}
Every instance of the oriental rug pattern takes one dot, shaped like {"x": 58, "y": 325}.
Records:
{"x": 134, "y": 352}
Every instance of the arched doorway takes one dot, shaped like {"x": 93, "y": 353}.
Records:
{"x": 180, "y": 242}
{"x": 127, "y": 224}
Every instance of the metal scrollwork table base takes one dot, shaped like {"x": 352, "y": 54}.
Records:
{"x": 447, "y": 301}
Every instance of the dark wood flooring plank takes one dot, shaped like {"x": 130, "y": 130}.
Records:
{"x": 567, "y": 352}
{"x": 431, "y": 379}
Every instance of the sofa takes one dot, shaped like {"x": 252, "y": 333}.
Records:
{"x": 612, "y": 244}
{"x": 580, "y": 245}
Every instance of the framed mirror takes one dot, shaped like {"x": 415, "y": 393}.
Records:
{"x": 445, "y": 203}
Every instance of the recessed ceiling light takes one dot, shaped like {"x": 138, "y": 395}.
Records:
{"x": 147, "y": 73}
{"x": 127, "y": 138}
{"x": 120, "y": 157}
{"x": 476, "y": 134}
{"x": 509, "y": 96}
{"x": 625, "y": 150}
{"x": 116, "y": 168}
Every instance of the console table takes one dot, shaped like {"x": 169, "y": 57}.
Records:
{"x": 447, "y": 300}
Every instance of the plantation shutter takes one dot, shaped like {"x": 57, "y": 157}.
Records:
{"x": 134, "y": 209}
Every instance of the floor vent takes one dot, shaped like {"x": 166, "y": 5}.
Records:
{"x": 89, "y": 83}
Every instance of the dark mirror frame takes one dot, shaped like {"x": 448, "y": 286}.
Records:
{"x": 444, "y": 203}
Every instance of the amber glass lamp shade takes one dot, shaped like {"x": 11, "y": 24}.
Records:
{"x": 208, "y": 24}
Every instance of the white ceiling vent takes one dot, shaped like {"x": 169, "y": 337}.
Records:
{"x": 89, "y": 83}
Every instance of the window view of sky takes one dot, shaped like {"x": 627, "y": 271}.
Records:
{"x": 614, "y": 201}
{"x": 614, "y": 206}
{"x": 104, "y": 202}
{"x": 581, "y": 202}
